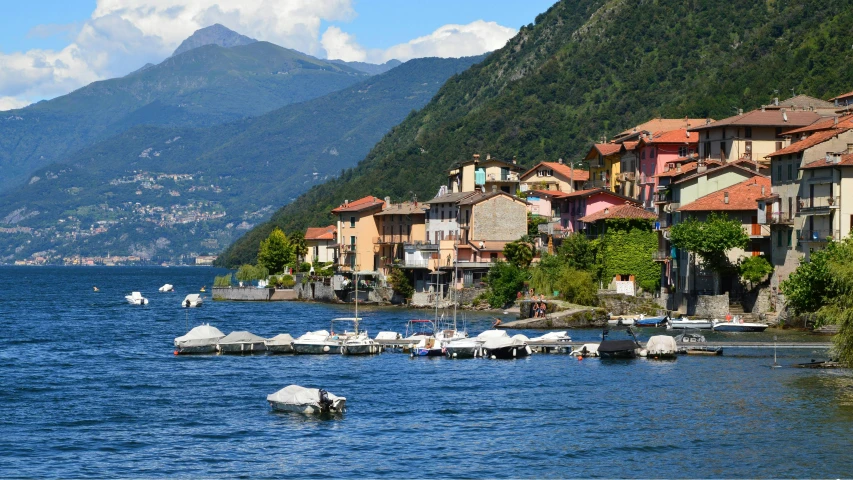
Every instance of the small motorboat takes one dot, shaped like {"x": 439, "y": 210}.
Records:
{"x": 621, "y": 320}
{"x": 360, "y": 344}
{"x": 281, "y": 343}
{"x": 242, "y": 342}
{"x": 586, "y": 350}
{"x": 96, "y": 289}
{"x": 310, "y": 401}
{"x": 661, "y": 347}
{"x": 472, "y": 347}
{"x": 619, "y": 348}
{"x": 706, "y": 350}
{"x": 317, "y": 343}
{"x": 136, "y": 298}
{"x": 506, "y": 348}
{"x": 685, "y": 322}
{"x": 658, "y": 321}
{"x": 201, "y": 339}
{"x": 192, "y": 300}
{"x": 556, "y": 337}
{"x": 166, "y": 288}
{"x": 738, "y": 325}
{"x": 690, "y": 337}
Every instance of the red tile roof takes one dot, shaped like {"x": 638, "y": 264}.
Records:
{"x": 845, "y": 95}
{"x": 359, "y": 205}
{"x": 825, "y": 124}
{"x": 595, "y": 191}
{"x": 404, "y": 208}
{"x": 548, "y": 193}
{"x": 810, "y": 141}
{"x": 606, "y": 148}
{"x": 663, "y": 124}
{"x": 765, "y": 118}
{"x": 563, "y": 169}
{"x": 680, "y": 135}
{"x": 626, "y": 211}
{"x": 321, "y": 233}
{"x": 741, "y": 197}
{"x": 720, "y": 168}
{"x": 629, "y": 145}
{"x": 674, "y": 172}
{"x": 846, "y": 161}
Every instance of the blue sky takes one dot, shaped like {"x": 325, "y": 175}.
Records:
{"x": 379, "y": 24}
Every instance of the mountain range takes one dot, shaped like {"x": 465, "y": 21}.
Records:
{"x": 586, "y": 69}
{"x": 163, "y": 192}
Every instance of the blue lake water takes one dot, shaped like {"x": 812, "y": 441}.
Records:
{"x": 90, "y": 388}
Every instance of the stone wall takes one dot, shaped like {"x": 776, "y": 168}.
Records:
{"x": 708, "y": 306}
{"x": 759, "y": 300}
{"x": 500, "y": 219}
{"x": 620, "y": 304}
{"x": 316, "y": 291}
{"x": 242, "y": 294}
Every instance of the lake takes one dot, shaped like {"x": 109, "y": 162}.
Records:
{"x": 91, "y": 388}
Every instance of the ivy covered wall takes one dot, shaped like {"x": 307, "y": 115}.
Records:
{"x": 627, "y": 248}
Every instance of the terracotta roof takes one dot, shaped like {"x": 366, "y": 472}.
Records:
{"x": 478, "y": 197}
{"x": 825, "y": 124}
{"x": 450, "y": 197}
{"x": 802, "y": 101}
{"x": 674, "y": 172}
{"x": 605, "y": 148}
{"x": 844, "y": 95}
{"x": 595, "y": 191}
{"x": 662, "y": 125}
{"x": 629, "y": 145}
{"x": 548, "y": 193}
{"x": 810, "y": 141}
{"x": 562, "y": 169}
{"x": 360, "y": 204}
{"x": 766, "y": 118}
{"x": 404, "y": 208}
{"x": 680, "y": 135}
{"x": 846, "y": 161}
{"x": 321, "y": 233}
{"x": 718, "y": 169}
{"x": 626, "y": 211}
{"x": 741, "y": 196}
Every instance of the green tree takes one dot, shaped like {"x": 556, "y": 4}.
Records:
{"x": 300, "y": 246}
{"x": 754, "y": 269}
{"x": 222, "y": 281}
{"x": 400, "y": 283}
{"x": 533, "y": 222}
{"x": 711, "y": 240}
{"x": 579, "y": 252}
{"x": 627, "y": 249}
{"x": 505, "y": 281}
{"x": 519, "y": 253}
{"x": 810, "y": 287}
{"x": 249, "y": 273}
{"x": 276, "y": 252}
{"x": 553, "y": 274}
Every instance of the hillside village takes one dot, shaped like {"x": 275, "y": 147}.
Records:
{"x": 780, "y": 170}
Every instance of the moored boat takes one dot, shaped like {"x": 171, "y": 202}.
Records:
{"x": 619, "y": 348}
{"x": 738, "y": 325}
{"x": 192, "y": 300}
{"x": 317, "y": 343}
{"x": 661, "y": 347}
{"x": 240, "y": 342}
{"x": 136, "y": 298}
{"x": 658, "y": 321}
{"x": 166, "y": 288}
{"x": 294, "y": 398}
{"x": 685, "y": 322}
{"x": 201, "y": 339}
{"x": 281, "y": 343}
{"x": 506, "y": 348}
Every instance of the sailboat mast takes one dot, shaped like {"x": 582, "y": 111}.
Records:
{"x": 356, "y": 300}
{"x": 455, "y": 273}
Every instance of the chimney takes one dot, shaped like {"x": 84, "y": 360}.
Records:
{"x": 387, "y": 200}
{"x": 678, "y": 168}
{"x": 776, "y": 101}
{"x": 514, "y": 160}
{"x": 560, "y": 161}
{"x": 726, "y": 198}
{"x": 740, "y": 111}
{"x": 488, "y": 156}
{"x": 346, "y": 202}
{"x": 762, "y": 108}
{"x": 476, "y": 157}
{"x": 707, "y": 121}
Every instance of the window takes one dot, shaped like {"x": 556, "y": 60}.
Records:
{"x": 352, "y": 240}
{"x": 779, "y": 238}
{"x": 352, "y": 222}
{"x": 789, "y": 236}
{"x": 748, "y": 150}
{"x": 707, "y": 149}
{"x": 790, "y": 171}
{"x": 682, "y": 151}
{"x": 778, "y": 146}
{"x": 442, "y": 214}
{"x": 778, "y": 173}
{"x": 652, "y": 153}
{"x": 748, "y": 132}
{"x": 790, "y": 207}
{"x": 723, "y": 151}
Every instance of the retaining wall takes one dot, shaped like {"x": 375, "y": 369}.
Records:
{"x": 242, "y": 294}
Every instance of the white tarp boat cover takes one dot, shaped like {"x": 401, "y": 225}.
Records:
{"x": 319, "y": 335}
{"x": 388, "y": 336}
{"x": 192, "y": 298}
{"x": 463, "y": 343}
{"x": 589, "y": 349}
{"x": 199, "y": 336}
{"x": 661, "y": 344}
{"x": 167, "y": 287}
{"x": 241, "y": 336}
{"x": 520, "y": 339}
{"x": 553, "y": 337}
{"x": 134, "y": 296}
{"x": 297, "y": 395}
{"x": 280, "y": 339}
{"x": 498, "y": 342}
{"x": 489, "y": 334}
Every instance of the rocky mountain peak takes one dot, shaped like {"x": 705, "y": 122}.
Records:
{"x": 215, "y": 34}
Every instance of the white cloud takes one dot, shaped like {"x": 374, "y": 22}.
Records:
{"x": 123, "y": 35}
{"x": 448, "y": 41}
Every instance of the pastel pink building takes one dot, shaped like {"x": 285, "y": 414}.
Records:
{"x": 566, "y": 208}
{"x": 655, "y": 151}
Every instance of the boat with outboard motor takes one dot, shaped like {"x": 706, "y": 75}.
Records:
{"x": 136, "y": 298}
{"x": 472, "y": 347}
{"x": 241, "y": 342}
{"x": 608, "y": 348}
{"x": 684, "y": 322}
{"x": 201, "y": 339}
{"x": 661, "y": 347}
{"x": 294, "y": 398}
{"x": 507, "y": 347}
{"x": 192, "y": 300}
{"x": 738, "y": 325}
{"x": 659, "y": 321}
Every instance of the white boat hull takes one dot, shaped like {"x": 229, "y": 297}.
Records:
{"x": 316, "y": 348}
{"x": 361, "y": 349}
{"x": 682, "y": 324}
{"x": 740, "y": 327}
{"x": 209, "y": 348}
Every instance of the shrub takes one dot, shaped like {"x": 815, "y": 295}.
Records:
{"x": 222, "y": 281}
{"x": 400, "y": 283}
{"x": 305, "y": 267}
{"x": 754, "y": 269}
{"x": 287, "y": 281}
{"x": 505, "y": 280}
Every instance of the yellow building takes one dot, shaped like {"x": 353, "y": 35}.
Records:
{"x": 488, "y": 173}
{"x": 605, "y": 163}
{"x": 401, "y": 239}
{"x": 553, "y": 176}
{"x": 356, "y": 231}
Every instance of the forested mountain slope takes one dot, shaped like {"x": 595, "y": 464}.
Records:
{"x": 589, "y": 68}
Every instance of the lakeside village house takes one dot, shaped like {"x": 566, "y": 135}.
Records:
{"x": 781, "y": 170}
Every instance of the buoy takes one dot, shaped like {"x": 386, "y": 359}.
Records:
{"x": 176, "y": 352}
{"x": 494, "y": 357}
{"x": 580, "y": 357}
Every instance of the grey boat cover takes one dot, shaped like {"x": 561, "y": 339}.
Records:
{"x": 241, "y": 336}
{"x": 661, "y": 344}
{"x": 501, "y": 342}
{"x": 199, "y": 336}
{"x": 490, "y": 334}
{"x": 280, "y": 339}
{"x": 296, "y": 395}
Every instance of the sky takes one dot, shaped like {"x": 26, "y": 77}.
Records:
{"x": 51, "y": 47}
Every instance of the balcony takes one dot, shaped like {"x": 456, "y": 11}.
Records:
{"x": 390, "y": 239}
{"x": 511, "y": 177}
{"x": 627, "y": 177}
{"x": 661, "y": 198}
{"x": 780, "y": 218}
{"x": 423, "y": 245}
{"x": 661, "y": 256}
{"x": 757, "y": 230}
{"x": 816, "y": 204}
{"x": 596, "y": 184}
{"x": 347, "y": 247}
{"x": 817, "y": 236}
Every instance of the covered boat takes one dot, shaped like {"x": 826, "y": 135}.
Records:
{"x": 629, "y": 348}
{"x": 136, "y": 298}
{"x": 294, "y": 398}
{"x": 586, "y": 350}
{"x": 242, "y": 342}
{"x": 661, "y": 347}
{"x": 201, "y": 339}
{"x": 472, "y": 347}
{"x": 317, "y": 343}
{"x": 658, "y": 321}
{"x": 506, "y": 348}
{"x": 281, "y": 343}
{"x": 557, "y": 337}
{"x": 166, "y": 288}
{"x": 191, "y": 301}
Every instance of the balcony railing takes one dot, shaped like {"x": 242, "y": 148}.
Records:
{"x": 780, "y": 218}
{"x": 757, "y": 230}
{"x": 492, "y": 177}
{"x": 390, "y": 239}
{"x": 627, "y": 177}
{"x": 422, "y": 245}
{"x": 661, "y": 256}
{"x": 661, "y": 197}
{"x": 811, "y": 204}
{"x": 596, "y": 184}
{"x": 347, "y": 247}
{"x": 817, "y": 236}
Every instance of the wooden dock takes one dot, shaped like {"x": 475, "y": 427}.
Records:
{"x": 566, "y": 347}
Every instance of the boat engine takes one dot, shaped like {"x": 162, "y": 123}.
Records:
{"x": 325, "y": 403}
